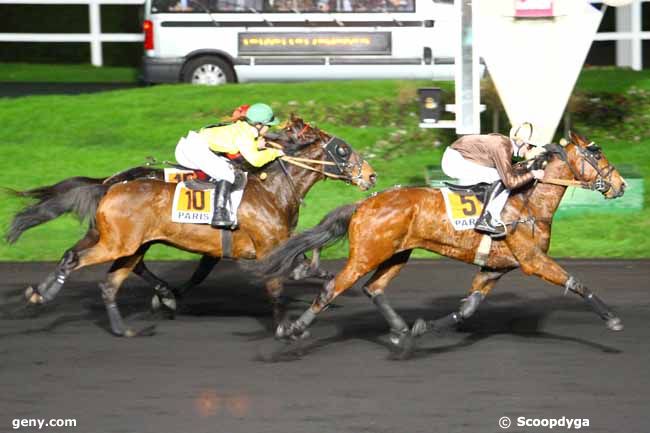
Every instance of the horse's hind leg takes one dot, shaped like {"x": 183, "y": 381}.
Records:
{"x": 310, "y": 269}
{"x": 116, "y": 276}
{"x": 374, "y": 288}
{"x": 53, "y": 283}
{"x": 482, "y": 284}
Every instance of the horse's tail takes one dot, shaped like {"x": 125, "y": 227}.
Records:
{"x": 282, "y": 259}
{"x": 77, "y": 195}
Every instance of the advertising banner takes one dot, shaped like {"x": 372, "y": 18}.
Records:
{"x": 321, "y": 43}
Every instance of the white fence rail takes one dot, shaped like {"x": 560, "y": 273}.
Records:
{"x": 95, "y": 37}
{"x": 628, "y": 34}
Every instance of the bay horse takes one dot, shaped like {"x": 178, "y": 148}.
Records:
{"x": 385, "y": 228}
{"x": 128, "y": 216}
{"x": 51, "y": 203}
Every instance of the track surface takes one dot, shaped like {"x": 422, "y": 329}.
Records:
{"x": 528, "y": 351}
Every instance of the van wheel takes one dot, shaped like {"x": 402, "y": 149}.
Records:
{"x": 208, "y": 70}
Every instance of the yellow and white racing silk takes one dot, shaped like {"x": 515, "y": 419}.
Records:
{"x": 239, "y": 137}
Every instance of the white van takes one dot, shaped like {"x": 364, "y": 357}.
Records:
{"x": 218, "y": 41}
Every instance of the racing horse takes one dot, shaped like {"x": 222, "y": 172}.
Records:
{"x": 128, "y": 216}
{"x": 385, "y": 228}
{"x": 50, "y": 204}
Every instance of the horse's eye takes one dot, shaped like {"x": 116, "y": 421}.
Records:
{"x": 342, "y": 151}
{"x": 594, "y": 150}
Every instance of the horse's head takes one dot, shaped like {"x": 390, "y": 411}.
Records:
{"x": 589, "y": 165}
{"x": 339, "y": 159}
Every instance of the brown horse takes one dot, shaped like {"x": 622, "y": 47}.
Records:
{"x": 384, "y": 229}
{"x": 50, "y": 204}
{"x": 130, "y": 216}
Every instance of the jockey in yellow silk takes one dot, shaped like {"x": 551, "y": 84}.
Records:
{"x": 213, "y": 149}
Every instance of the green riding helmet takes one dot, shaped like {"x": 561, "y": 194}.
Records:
{"x": 261, "y": 113}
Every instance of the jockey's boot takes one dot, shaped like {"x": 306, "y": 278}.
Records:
{"x": 486, "y": 223}
{"x": 222, "y": 217}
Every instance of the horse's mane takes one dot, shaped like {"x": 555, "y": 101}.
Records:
{"x": 292, "y": 144}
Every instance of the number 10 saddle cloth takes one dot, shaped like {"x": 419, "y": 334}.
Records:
{"x": 194, "y": 199}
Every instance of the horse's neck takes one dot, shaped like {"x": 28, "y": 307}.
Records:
{"x": 545, "y": 198}
{"x": 281, "y": 188}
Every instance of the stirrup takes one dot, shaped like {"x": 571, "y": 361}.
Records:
{"x": 221, "y": 219}
{"x": 484, "y": 224}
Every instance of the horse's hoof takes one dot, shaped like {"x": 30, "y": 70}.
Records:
{"x": 403, "y": 345}
{"x": 420, "y": 327}
{"x": 284, "y": 331}
{"x": 32, "y": 296}
{"x": 615, "y": 324}
{"x": 303, "y": 336}
{"x": 164, "y": 306}
{"x": 155, "y": 303}
{"x": 325, "y": 275}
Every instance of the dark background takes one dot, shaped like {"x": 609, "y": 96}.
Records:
{"x": 128, "y": 19}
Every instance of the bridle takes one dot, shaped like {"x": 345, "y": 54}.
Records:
{"x": 337, "y": 163}
{"x": 589, "y": 155}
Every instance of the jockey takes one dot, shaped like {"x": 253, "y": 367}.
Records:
{"x": 488, "y": 158}
{"x": 213, "y": 148}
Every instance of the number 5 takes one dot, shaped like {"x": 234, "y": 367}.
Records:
{"x": 472, "y": 206}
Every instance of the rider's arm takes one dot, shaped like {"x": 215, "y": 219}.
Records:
{"x": 249, "y": 149}
{"x": 502, "y": 157}
{"x": 256, "y": 157}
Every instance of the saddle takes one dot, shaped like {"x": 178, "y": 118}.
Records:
{"x": 480, "y": 190}
{"x": 203, "y": 183}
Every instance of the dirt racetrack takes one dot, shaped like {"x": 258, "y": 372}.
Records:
{"x": 528, "y": 352}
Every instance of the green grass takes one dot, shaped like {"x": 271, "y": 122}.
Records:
{"x": 24, "y": 72}
{"x": 44, "y": 139}
{"x": 612, "y": 80}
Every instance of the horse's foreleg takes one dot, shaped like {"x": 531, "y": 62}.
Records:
{"x": 163, "y": 296}
{"x": 274, "y": 290}
{"x": 375, "y": 290}
{"x": 116, "y": 276}
{"x": 534, "y": 262}
{"x": 482, "y": 284}
{"x": 206, "y": 265}
{"x": 613, "y": 322}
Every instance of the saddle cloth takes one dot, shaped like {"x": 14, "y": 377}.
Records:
{"x": 463, "y": 208}
{"x": 194, "y": 200}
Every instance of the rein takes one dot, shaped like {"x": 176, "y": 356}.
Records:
{"x": 564, "y": 182}
{"x": 305, "y": 163}
{"x": 602, "y": 182}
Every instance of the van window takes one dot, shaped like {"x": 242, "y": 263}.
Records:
{"x": 264, "y": 6}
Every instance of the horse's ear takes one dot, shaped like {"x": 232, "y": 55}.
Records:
{"x": 577, "y": 139}
{"x": 295, "y": 119}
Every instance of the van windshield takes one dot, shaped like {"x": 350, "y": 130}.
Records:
{"x": 269, "y": 6}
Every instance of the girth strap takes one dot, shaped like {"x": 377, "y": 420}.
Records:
{"x": 226, "y": 244}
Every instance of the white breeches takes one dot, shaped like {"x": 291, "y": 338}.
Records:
{"x": 470, "y": 173}
{"x": 193, "y": 152}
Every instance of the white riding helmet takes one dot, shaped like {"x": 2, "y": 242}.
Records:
{"x": 522, "y": 134}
